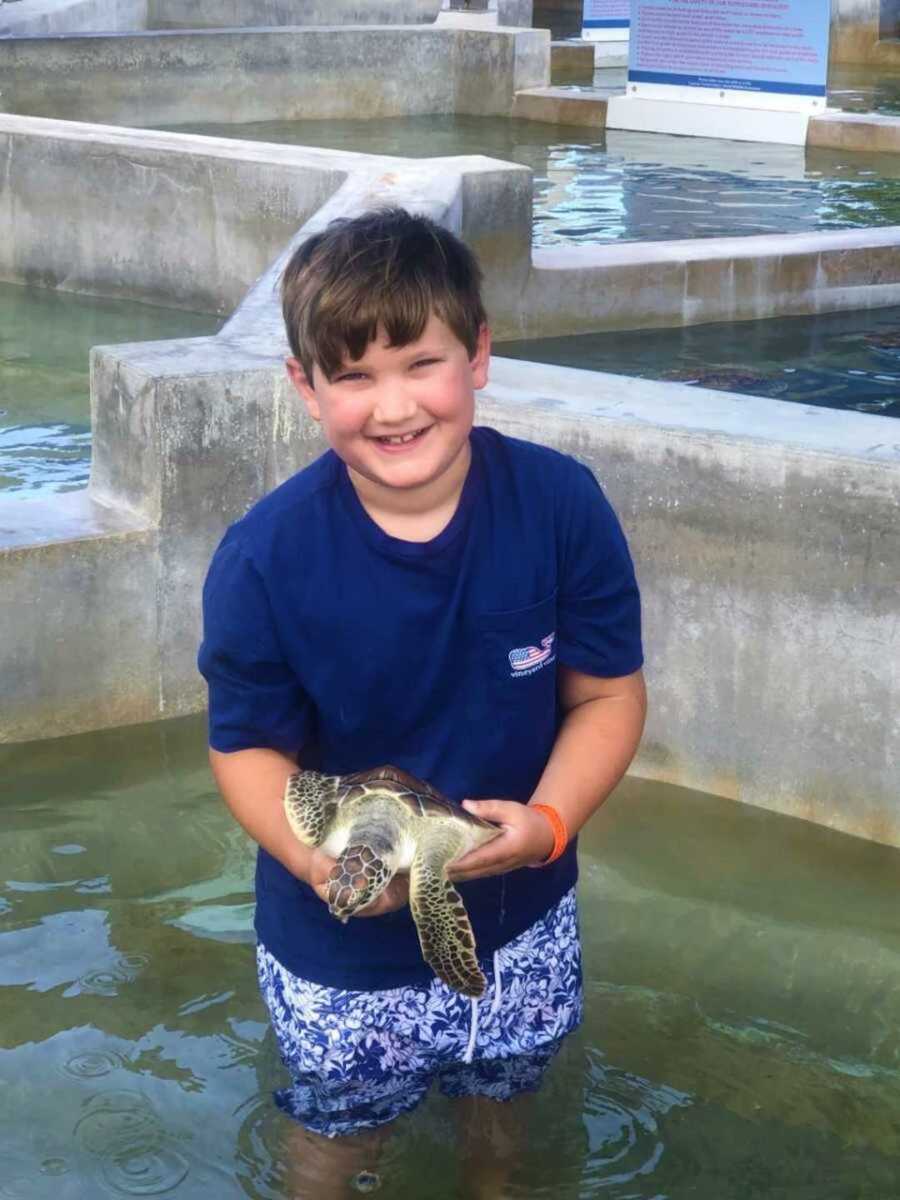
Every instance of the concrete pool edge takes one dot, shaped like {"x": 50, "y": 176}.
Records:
{"x": 188, "y": 434}
{"x": 225, "y": 209}
{"x": 771, "y": 643}
{"x": 49, "y": 18}
{"x": 170, "y": 76}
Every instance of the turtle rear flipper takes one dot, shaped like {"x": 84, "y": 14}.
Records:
{"x": 445, "y": 932}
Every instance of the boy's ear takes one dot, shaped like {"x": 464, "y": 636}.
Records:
{"x": 481, "y": 360}
{"x": 304, "y": 387}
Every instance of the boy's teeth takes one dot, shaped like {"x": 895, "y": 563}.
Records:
{"x": 399, "y": 441}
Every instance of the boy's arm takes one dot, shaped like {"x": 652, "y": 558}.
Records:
{"x": 252, "y": 785}
{"x": 596, "y": 742}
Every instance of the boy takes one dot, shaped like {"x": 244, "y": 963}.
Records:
{"x": 445, "y": 599}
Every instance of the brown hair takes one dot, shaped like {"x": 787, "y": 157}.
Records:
{"x": 387, "y": 268}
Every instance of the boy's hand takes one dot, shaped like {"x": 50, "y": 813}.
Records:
{"x": 526, "y": 838}
{"x": 394, "y": 896}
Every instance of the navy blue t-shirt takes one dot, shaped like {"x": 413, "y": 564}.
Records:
{"x": 327, "y": 637}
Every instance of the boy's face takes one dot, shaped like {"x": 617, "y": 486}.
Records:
{"x": 400, "y": 416}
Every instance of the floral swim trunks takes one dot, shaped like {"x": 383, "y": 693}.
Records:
{"x": 360, "y": 1059}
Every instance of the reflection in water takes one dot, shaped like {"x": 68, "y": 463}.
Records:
{"x": 124, "y": 1132}
{"x": 261, "y": 1160}
{"x": 621, "y": 1117}
{"x": 864, "y": 89}
{"x": 93, "y": 1064}
{"x": 740, "y": 1041}
{"x": 592, "y": 187}
{"x": 833, "y": 360}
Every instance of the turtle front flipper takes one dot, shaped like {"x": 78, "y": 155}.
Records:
{"x": 310, "y": 803}
{"x": 365, "y": 868}
{"x": 358, "y": 878}
{"x": 445, "y": 932}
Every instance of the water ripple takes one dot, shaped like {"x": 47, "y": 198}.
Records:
{"x": 93, "y": 1063}
{"x": 122, "y": 1129}
{"x": 620, "y": 1118}
{"x": 260, "y": 1151}
{"x": 106, "y": 981}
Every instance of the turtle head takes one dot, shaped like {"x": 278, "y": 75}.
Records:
{"x": 310, "y": 802}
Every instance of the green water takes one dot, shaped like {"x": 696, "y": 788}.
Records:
{"x": 741, "y": 1042}
{"x": 45, "y": 339}
{"x": 592, "y": 187}
{"x": 834, "y": 360}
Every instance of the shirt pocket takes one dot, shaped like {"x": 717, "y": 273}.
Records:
{"x": 518, "y": 646}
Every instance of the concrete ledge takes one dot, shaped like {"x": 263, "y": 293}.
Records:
{"x": 766, "y": 543}
{"x": 642, "y": 285}
{"x": 260, "y": 75}
{"x": 865, "y": 132}
{"x": 42, "y": 18}
{"x": 244, "y": 14}
{"x": 74, "y": 570}
{"x": 184, "y": 221}
{"x": 765, "y": 533}
{"x": 557, "y": 106}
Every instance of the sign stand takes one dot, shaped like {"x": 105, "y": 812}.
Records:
{"x": 749, "y": 70}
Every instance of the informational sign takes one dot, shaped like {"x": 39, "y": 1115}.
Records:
{"x": 754, "y": 46}
{"x": 613, "y": 15}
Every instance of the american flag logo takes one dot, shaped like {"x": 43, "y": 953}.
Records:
{"x": 524, "y": 657}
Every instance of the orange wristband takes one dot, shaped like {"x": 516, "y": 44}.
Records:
{"x": 560, "y": 833}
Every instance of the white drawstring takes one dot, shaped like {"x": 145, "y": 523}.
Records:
{"x": 473, "y": 1032}
{"x": 495, "y": 1008}
{"x": 498, "y": 984}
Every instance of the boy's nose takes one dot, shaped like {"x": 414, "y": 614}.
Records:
{"x": 393, "y": 406}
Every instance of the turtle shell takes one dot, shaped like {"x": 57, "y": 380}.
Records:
{"x": 420, "y": 797}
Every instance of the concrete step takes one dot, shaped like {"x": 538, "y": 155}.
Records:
{"x": 562, "y": 106}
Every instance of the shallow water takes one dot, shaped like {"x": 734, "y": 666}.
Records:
{"x": 592, "y": 187}
{"x": 45, "y": 339}
{"x": 834, "y": 360}
{"x": 742, "y": 1037}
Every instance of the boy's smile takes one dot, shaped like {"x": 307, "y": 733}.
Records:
{"x": 400, "y": 417}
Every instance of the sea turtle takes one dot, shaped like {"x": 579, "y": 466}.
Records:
{"x": 378, "y": 822}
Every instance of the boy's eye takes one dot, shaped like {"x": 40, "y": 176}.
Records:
{"x": 425, "y": 362}
{"x": 348, "y": 376}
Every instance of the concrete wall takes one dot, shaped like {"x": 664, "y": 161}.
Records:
{"x": 194, "y": 221}
{"x": 642, "y": 285}
{"x": 515, "y": 13}
{"x": 93, "y": 584}
{"x": 161, "y": 217}
{"x": 764, "y": 533}
{"x": 258, "y": 75}
{"x": 233, "y": 14}
{"x": 40, "y": 18}
{"x": 767, "y": 546}
{"x": 860, "y": 29}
